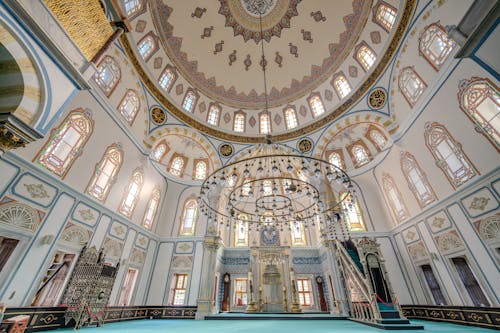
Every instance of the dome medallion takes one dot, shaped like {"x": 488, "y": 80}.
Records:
{"x": 243, "y": 17}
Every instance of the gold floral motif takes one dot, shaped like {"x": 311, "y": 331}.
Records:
{"x": 48, "y": 319}
{"x": 36, "y": 191}
{"x": 479, "y": 203}
{"x": 86, "y": 214}
{"x": 226, "y": 150}
{"x": 377, "y": 98}
{"x": 158, "y": 115}
{"x": 305, "y": 145}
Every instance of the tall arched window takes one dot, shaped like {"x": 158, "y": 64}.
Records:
{"x": 200, "y": 169}
{"x": 108, "y": 75}
{"x": 149, "y": 215}
{"x": 448, "y": 154}
{"x": 316, "y": 105}
{"x": 290, "y": 118}
{"x": 265, "y": 123}
{"x": 376, "y": 137}
{"x": 359, "y": 154}
{"x": 241, "y": 231}
{"x": 190, "y": 100}
{"x": 435, "y": 45}
{"x": 132, "y": 6}
{"x": 177, "y": 166}
{"x": 129, "y": 106}
{"x": 105, "y": 172}
{"x": 384, "y": 15}
{"x": 394, "y": 198}
{"x": 417, "y": 180}
{"x": 336, "y": 158}
{"x": 365, "y": 56}
{"x": 189, "y": 218}
{"x": 147, "y": 46}
{"x": 213, "y": 115}
{"x": 239, "y": 122}
{"x": 297, "y": 233}
{"x": 132, "y": 193}
{"x": 411, "y": 85}
{"x": 480, "y": 100}
{"x": 167, "y": 78}
{"x": 159, "y": 151}
{"x": 352, "y": 213}
{"x": 341, "y": 86}
{"x": 66, "y": 142}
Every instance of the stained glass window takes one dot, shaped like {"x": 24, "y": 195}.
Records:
{"x": 480, "y": 100}
{"x": 239, "y": 122}
{"x": 129, "y": 105}
{"x": 189, "y": 101}
{"x": 448, "y": 154}
{"x": 352, "y": 213}
{"x": 417, "y": 180}
{"x": 336, "y": 159}
{"x": 298, "y": 235}
{"x": 151, "y": 209}
{"x": 366, "y": 57}
{"x": 342, "y": 86}
{"x": 147, "y": 46}
{"x": 105, "y": 173}
{"x": 66, "y": 142}
{"x": 377, "y": 138}
{"x": 360, "y": 155}
{"x": 132, "y": 6}
{"x": 241, "y": 231}
{"x": 410, "y": 85}
{"x": 108, "y": 75}
{"x": 316, "y": 105}
{"x": 213, "y": 115}
{"x": 435, "y": 45}
{"x": 265, "y": 123}
{"x": 167, "y": 78}
{"x": 132, "y": 193}
{"x": 177, "y": 166}
{"x": 290, "y": 118}
{"x": 159, "y": 151}
{"x": 394, "y": 198}
{"x": 189, "y": 218}
{"x": 384, "y": 15}
{"x": 304, "y": 288}
{"x": 200, "y": 170}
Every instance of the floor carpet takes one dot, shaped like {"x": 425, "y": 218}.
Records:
{"x": 262, "y": 326}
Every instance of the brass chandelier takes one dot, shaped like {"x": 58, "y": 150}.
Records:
{"x": 275, "y": 187}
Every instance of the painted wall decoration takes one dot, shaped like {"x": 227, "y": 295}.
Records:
{"x": 480, "y": 202}
{"x": 76, "y": 234}
{"x": 182, "y": 262}
{"x": 142, "y": 241}
{"x": 438, "y": 222}
{"x": 410, "y": 235}
{"x": 184, "y": 247}
{"x": 20, "y": 215}
{"x": 85, "y": 214}
{"x": 418, "y": 251}
{"x": 35, "y": 190}
{"x": 118, "y": 230}
{"x": 449, "y": 241}
{"x": 137, "y": 257}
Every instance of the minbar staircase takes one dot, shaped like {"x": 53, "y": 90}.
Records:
{"x": 367, "y": 308}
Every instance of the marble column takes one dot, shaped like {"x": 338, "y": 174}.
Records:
{"x": 341, "y": 306}
{"x": 205, "y": 301}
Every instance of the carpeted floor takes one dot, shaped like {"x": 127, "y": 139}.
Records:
{"x": 262, "y": 326}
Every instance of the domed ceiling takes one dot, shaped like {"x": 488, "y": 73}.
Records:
{"x": 215, "y": 49}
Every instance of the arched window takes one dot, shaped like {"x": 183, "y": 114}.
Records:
{"x": 147, "y": 46}
{"x": 167, "y": 78}
{"x": 239, "y": 122}
{"x": 132, "y": 6}
{"x": 417, "y": 180}
{"x": 377, "y": 138}
{"x": 132, "y": 193}
{"x": 177, "y": 166}
{"x": 108, "y": 75}
{"x": 149, "y": 215}
{"x": 265, "y": 123}
{"x": 105, "y": 172}
{"x": 352, "y": 213}
{"x": 190, "y": 100}
{"x": 200, "y": 170}
{"x": 189, "y": 218}
{"x": 241, "y": 231}
{"x": 480, "y": 100}
{"x": 336, "y": 159}
{"x": 384, "y": 15}
{"x": 66, "y": 142}
{"x": 411, "y": 85}
{"x": 129, "y": 106}
{"x": 213, "y": 115}
{"x": 359, "y": 154}
{"x": 448, "y": 154}
{"x": 298, "y": 234}
{"x": 316, "y": 105}
{"x": 159, "y": 151}
{"x": 435, "y": 45}
{"x": 290, "y": 118}
{"x": 365, "y": 56}
{"x": 341, "y": 85}
{"x": 267, "y": 187}
{"x": 394, "y": 198}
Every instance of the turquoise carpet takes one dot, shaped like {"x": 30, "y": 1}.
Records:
{"x": 264, "y": 326}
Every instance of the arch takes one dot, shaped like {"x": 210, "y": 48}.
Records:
{"x": 132, "y": 193}
{"x": 352, "y": 213}
{"x": 167, "y": 78}
{"x": 200, "y": 169}
{"x": 316, "y": 104}
{"x": 384, "y": 15}
{"x": 177, "y": 165}
{"x": 290, "y": 117}
{"x": 148, "y": 45}
{"x": 189, "y": 218}
{"x": 108, "y": 75}
{"x": 360, "y": 154}
{"x": 435, "y": 45}
{"x": 365, "y": 56}
{"x": 411, "y": 85}
{"x": 264, "y": 122}
{"x": 151, "y": 209}
{"x": 489, "y": 229}
{"x": 159, "y": 151}
{"x": 341, "y": 85}
{"x": 19, "y": 215}
{"x": 213, "y": 115}
{"x": 394, "y": 199}
{"x": 129, "y": 106}
{"x": 448, "y": 154}
{"x": 239, "y": 121}
{"x": 376, "y": 137}
{"x": 105, "y": 172}
{"x": 417, "y": 180}
{"x": 66, "y": 142}
{"x": 190, "y": 100}
{"x": 336, "y": 157}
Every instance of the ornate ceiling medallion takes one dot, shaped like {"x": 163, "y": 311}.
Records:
{"x": 243, "y": 17}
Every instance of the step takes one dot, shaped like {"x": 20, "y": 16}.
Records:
{"x": 390, "y": 327}
{"x": 393, "y": 321}
{"x": 389, "y": 314}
